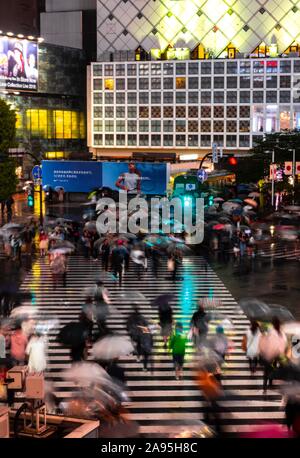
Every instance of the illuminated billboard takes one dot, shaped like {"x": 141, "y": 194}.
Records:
{"x": 18, "y": 64}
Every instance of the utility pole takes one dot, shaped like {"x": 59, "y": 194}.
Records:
{"x": 273, "y": 180}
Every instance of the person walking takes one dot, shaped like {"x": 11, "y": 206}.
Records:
{"x": 144, "y": 345}
{"x": 37, "y": 351}
{"x": 18, "y": 344}
{"x": 43, "y": 243}
{"x": 105, "y": 253}
{"x": 58, "y": 268}
{"x": 165, "y": 314}
{"x": 177, "y": 345}
{"x": 176, "y": 258}
{"x": 251, "y": 345}
{"x": 117, "y": 260}
{"x": 272, "y": 345}
{"x": 199, "y": 325}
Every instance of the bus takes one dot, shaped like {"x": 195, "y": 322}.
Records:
{"x": 218, "y": 184}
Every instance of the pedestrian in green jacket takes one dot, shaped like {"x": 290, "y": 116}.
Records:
{"x": 177, "y": 344}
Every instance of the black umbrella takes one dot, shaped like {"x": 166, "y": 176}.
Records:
{"x": 162, "y": 299}
{"x": 255, "y": 309}
{"x": 280, "y": 312}
{"x": 286, "y": 372}
{"x": 73, "y": 334}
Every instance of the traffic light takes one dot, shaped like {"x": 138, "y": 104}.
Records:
{"x": 30, "y": 198}
{"x": 232, "y": 161}
{"x": 210, "y": 201}
{"x": 188, "y": 201}
{"x": 227, "y": 162}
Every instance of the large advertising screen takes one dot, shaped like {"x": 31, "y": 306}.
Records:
{"x": 18, "y": 64}
{"x": 72, "y": 176}
{"x": 136, "y": 177}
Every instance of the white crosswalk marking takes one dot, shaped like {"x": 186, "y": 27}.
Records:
{"x": 158, "y": 402}
{"x": 279, "y": 250}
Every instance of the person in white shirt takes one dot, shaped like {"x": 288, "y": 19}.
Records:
{"x": 130, "y": 181}
{"x": 36, "y": 351}
{"x": 253, "y": 336}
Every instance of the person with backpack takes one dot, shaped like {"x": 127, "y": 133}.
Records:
{"x": 117, "y": 260}
{"x": 177, "y": 344}
{"x": 144, "y": 345}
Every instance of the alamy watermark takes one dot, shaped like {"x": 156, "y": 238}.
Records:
{"x": 153, "y": 216}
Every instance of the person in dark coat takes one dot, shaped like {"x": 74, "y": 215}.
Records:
{"x": 165, "y": 314}
{"x": 105, "y": 253}
{"x": 199, "y": 324}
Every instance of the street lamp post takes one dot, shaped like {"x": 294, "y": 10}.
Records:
{"x": 38, "y": 162}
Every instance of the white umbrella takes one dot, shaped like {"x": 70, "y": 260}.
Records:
{"x": 112, "y": 347}
{"x": 292, "y": 328}
{"x": 218, "y": 199}
{"x": 254, "y": 194}
{"x": 251, "y": 202}
{"x": 85, "y": 372}
{"x": 24, "y": 310}
{"x": 230, "y": 206}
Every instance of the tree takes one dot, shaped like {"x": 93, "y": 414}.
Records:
{"x": 8, "y": 178}
{"x": 281, "y": 143}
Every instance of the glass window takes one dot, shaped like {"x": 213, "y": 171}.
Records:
{"x": 231, "y": 126}
{"x": 258, "y": 67}
{"x": 168, "y": 112}
{"x": 120, "y": 70}
{"x": 271, "y": 81}
{"x": 120, "y": 98}
{"x": 97, "y": 70}
{"x": 205, "y": 112}
{"x": 108, "y": 70}
{"x": 231, "y": 82}
{"x": 244, "y": 96}
{"x": 97, "y": 84}
{"x": 193, "y": 112}
{"x": 218, "y": 82}
{"x": 218, "y": 126}
{"x": 120, "y": 112}
{"x": 193, "y": 83}
{"x": 143, "y": 112}
{"x": 98, "y": 140}
{"x": 218, "y": 68}
{"x": 156, "y": 126}
{"x": 205, "y": 82}
{"x": 272, "y": 66}
{"x": 285, "y": 66}
{"x": 219, "y": 140}
{"x": 131, "y": 112}
{"x": 180, "y": 83}
{"x": 193, "y": 126}
{"x": 193, "y": 68}
{"x": 271, "y": 97}
{"x": 180, "y": 97}
{"x": 258, "y": 96}
{"x": 285, "y": 81}
{"x": 132, "y": 126}
{"x": 231, "y": 68}
{"x": 156, "y": 97}
{"x": 205, "y": 140}
{"x": 155, "y": 83}
{"x": 205, "y": 126}
{"x": 98, "y": 98}
{"x": 218, "y": 111}
{"x": 231, "y": 111}
{"x": 193, "y": 140}
{"x": 144, "y": 69}
{"x": 168, "y": 140}
{"x": 193, "y": 97}
{"x": 143, "y": 83}
{"x": 168, "y": 83}
{"x": 168, "y": 126}
{"x": 244, "y": 141}
{"x": 206, "y": 68}
{"x": 244, "y": 126}
{"x": 285, "y": 96}
{"x": 245, "y": 67}
{"x": 181, "y": 68}
{"x": 285, "y": 118}
{"x": 297, "y": 66}
{"x": 132, "y": 140}
{"x": 231, "y": 140}
{"x": 120, "y": 126}
{"x": 218, "y": 97}
{"x": 296, "y": 81}
{"x": 98, "y": 112}
{"x": 109, "y": 99}
{"x": 131, "y": 98}
{"x": 109, "y": 84}
{"x": 98, "y": 126}
{"x": 258, "y": 119}
{"x": 296, "y": 117}
{"x": 244, "y": 81}
{"x": 131, "y": 83}
{"x": 244, "y": 111}
{"x": 296, "y": 96}
{"x": 180, "y": 140}
{"x": 205, "y": 97}
{"x": 156, "y": 69}
{"x": 144, "y": 97}
{"x": 109, "y": 112}
{"x": 144, "y": 126}
{"x": 180, "y": 126}
{"x": 109, "y": 126}
{"x": 155, "y": 140}
{"x": 271, "y": 118}
{"x": 168, "y": 97}
{"x": 120, "y": 139}
{"x": 131, "y": 70}
{"x": 231, "y": 97}
{"x": 144, "y": 140}
{"x": 109, "y": 140}
{"x": 258, "y": 81}
{"x": 168, "y": 68}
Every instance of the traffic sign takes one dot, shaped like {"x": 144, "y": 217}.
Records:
{"x": 201, "y": 175}
{"x": 37, "y": 172}
{"x": 214, "y": 153}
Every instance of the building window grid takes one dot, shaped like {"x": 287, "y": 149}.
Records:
{"x": 283, "y": 97}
